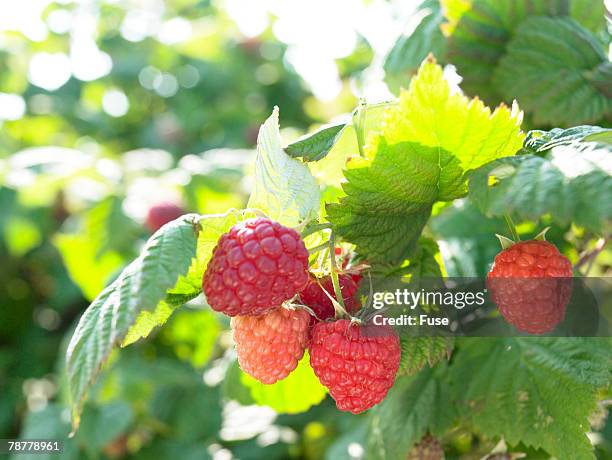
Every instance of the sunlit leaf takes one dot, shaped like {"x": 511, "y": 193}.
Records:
{"x": 428, "y": 142}
{"x": 292, "y": 395}
{"x": 89, "y": 270}
{"x": 284, "y": 187}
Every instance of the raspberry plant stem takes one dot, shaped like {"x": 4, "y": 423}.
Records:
{"x": 318, "y": 248}
{"x": 512, "y": 228}
{"x": 310, "y": 229}
{"x": 359, "y": 120}
{"x": 334, "y": 276}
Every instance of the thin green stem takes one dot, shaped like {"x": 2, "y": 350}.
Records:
{"x": 359, "y": 121}
{"x": 309, "y": 230}
{"x": 334, "y": 276}
{"x": 512, "y": 228}
{"x": 318, "y": 248}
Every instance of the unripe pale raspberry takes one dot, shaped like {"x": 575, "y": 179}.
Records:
{"x": 314, "y": 297}
{"x": 162, "y": 213}
{"x": 357, "y": 363}
{"x": 255, "y": 267}
{"x": 270, "y": 346}
{"x": 429, "y": 448}
{"x": 530, "y": 282}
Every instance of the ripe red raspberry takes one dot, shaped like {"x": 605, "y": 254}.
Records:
{"x": 314, "y": 297}
{"x": 255, "y": 267}
{"x": 357, "y": 363}
{"x": 162, "y": 213}
{"x": 270, "y": 346}
{"x": 530, "y": 282}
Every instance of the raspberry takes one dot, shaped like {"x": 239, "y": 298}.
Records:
{"x": 530, "y": 282}
{"x": 314, "y": 297}
{"x": 255, "y": 267}
{"x": 162, "y": 213}
{"x": 270, "y": 346}
{"x": 428, "y": 448}
{"x": 357, "y": 363}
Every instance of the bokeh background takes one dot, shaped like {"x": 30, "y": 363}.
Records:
{"x": 108, "y": 107}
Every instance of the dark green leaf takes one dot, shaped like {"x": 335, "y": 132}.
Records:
{"x": 545, "y": 67}
{"x": 409, "y": 50}
{"x": 418, "y": 352}
{"x": 414, "y": 406}
{"x": 467, "y": 239}
{"x": 192, "y": 412}
{"x": 315, "y": 146}
{"x": 103, "y": 424}
{"x": 233, "y": 388}
{"x": 51, "y": 422}
{"x": 571, "y": 184}
{"x": 479, "y": 30}
{"x": 542, "y": 141}
{"x": 538, "y": 391}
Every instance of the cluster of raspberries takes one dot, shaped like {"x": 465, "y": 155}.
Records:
{"x": 255, "y": 269}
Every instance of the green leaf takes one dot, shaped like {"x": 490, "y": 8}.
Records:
{"x": 284, "y": 187}
{"x": 414, "y": 406}
{"x": 478, "y": 32}
{"x": 343, "y": 446}
{"x": 388, "y": 200}
{"x": 568, "y": 184}
{"x": 601, "y": 78}
{"x": 315, "y": 146}
{"x": 193, "y": 335}
{"x": 189, "y": 286}
{"x": 103, "y": 424}
{"x": 423, "y": 265}
{"x": 94, "y": 254}
{"x": 537, "y": 391}
{"x": 417, "y": 352}
{"x": 172, "y": 448}
{"x": 103, "y": 221}
{"x": 551, "y": 79}
{"x": 89, "y": 269}
{"x": 292, "y": 395}
{"x": 429, "y": 140}
{"x": 51, "y": 422}
{"x": 191, "y": 411}
{"x": 146, "y": 322}
{"x": 430, "y": 114}
{"x": 328, "y": 171}
{"x": 21, "y": 235}
{"x": 233, "y": 388}
{"x": 409, "y": 50}
{"x": 141, "y": 286}
{"x": 542, "y": 141}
